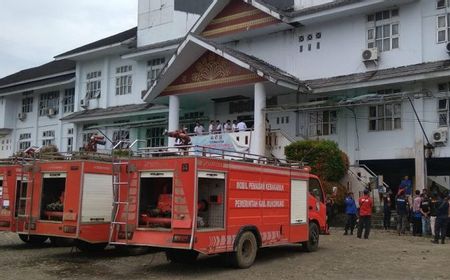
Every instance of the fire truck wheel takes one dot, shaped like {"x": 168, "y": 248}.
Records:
{"x": 61, "y": 242}
{"x": 33, "y": 239}
{"x": 313, "y": 243}
{"x": 181, "y": 256}
{"x": 246, "y": 250}
{"x": 90, "y": 247}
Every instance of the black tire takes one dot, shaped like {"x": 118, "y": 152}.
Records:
{"x": 246, "y": 250}
{"x": 62, "y": 242}
{"x": 182, "y": 256}
{"x": 313, "y": 242}
{"x": 133, "y": 250}
{"x": 33, "y": 239}
{"x": 90, "y": 247}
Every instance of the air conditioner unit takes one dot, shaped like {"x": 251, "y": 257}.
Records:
{"x": 84, "y": 103}
{"x": 51, "y": 112}
{"x": 370, "y": 55}
{"x": 447, "y": 47}
{"x": 440, "y": 135}
{"x": 22, "y": 116}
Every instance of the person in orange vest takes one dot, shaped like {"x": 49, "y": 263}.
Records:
{"x": 365, "y": 214}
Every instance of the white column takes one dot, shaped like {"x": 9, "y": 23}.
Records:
{"x": 174, "y": 116}
{"x": 419, "y": 146}
{"x": 258, "y": 140}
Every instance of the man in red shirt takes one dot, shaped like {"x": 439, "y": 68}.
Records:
{"x": 365, "y": 214}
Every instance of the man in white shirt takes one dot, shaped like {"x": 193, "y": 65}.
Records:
{"x": 218, "y": 127}
{"x": 212, "y": 127}
{"x": 199, "y": 129}
{"x": 227, "y": 127}
{"x": 241, "y": 126}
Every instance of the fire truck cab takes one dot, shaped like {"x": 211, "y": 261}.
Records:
{"x": 64, "y": 200}
{"x": 189, "y": 204}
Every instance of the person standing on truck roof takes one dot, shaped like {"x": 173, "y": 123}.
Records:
{"x": 365, "y": 214}
{"x": 350, "y": 210}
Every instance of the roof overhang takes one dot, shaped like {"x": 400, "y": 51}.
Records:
{"x": 112, "y": 49}
{"x": 5, "y": 131}
{"x": 340, "y": 11}
{"x": 190, "y": 51}
{"x": 44, "y": 83}
{"x": 82, "y": 119}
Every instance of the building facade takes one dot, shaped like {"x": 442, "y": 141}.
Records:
{"x": 371, "y": 75}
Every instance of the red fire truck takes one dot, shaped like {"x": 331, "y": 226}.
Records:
{"x": 61, "y": 200}
{"x": 189, "y": 203}
{"x": 7, "y": 193}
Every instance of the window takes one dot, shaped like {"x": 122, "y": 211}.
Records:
{"x": 48, "y": 134}
{"x": 315, "y": 189}
{"x": 48, "y": 101}
{"x": 27, "y": 105}
{"x": 69, "y": 144}
{"x": 70, "y": 131}
{"x": 385, "y": 117}
{"x": 442, "y": 4}
{"x": 120, "y": 135}
{"x": 154, "y": 67}
{"x": 241, "y": 106}
{"x": 322, "y": 123}
{"x": 443, "y": 28}
{"x": 48, "y": 137}
{"x": 443, "y": 112}
{"x": 383, "y": 30}
{"x": 124, "y": 80}
{"x": 69, "y": 100}
{"x": 93, "y": 85}
{"x": 155, "y": 138}
{"x": 24, "y": 141}
{"x": 48, "y": 142}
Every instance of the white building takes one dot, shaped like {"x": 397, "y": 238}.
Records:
{"x": 359, "y": 72}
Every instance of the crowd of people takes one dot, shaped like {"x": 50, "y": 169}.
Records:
{"x": 217, "y": 127}
{"x": 426, "y": 214}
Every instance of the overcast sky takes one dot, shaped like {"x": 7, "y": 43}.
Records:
{"x": 32, "y": 32}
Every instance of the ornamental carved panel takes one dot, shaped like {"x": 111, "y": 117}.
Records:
{"x": 211, "y": 71}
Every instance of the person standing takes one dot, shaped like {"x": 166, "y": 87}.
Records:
{"x": 365, "y": 214}
{"x": 441, "y": 220}
{"x": 406, "y": 184}
{"x": 212, "y": 127}
{"x": 387, "y": 210}
{"x": 350, "y": 210}
{"x": 416, "y": 214}
{"x": 425, "y": 211}
{"x": 218, "y": 127}
{"x": 402, "y": 212}
{"x": 227, "y": 127}
{"x": 433, "y": 212}
{"x": 234, "y": 126}
{"x": 241, "y": 126}
{"x": 329, "y": 210}
{"x": 199, "y": 129}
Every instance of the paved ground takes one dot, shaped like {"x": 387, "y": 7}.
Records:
{"x": 383, "y": 256}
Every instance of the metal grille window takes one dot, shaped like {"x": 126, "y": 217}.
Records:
{"x": 27, "y": 105}
{"x": 120, "y": 135}
{"x": 124, "y": 80}
{"x": 154, "y": 67}
{"x": 155, "y": 138}
{"x": 69, "y": 100}
{"x": 385, "y": 117}
{"x": 93, "y": 85}
{"x": 322, "y": 123}
{"x": 383, "y": 30}
{"x": 443, "y": 111}
{"x": 48, "y": 101}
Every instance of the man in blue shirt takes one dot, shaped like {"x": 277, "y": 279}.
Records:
{"x": 350, "y": 210}
{"x": 406, "y": 184}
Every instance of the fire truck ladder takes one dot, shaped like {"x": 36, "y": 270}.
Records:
{"x": 121, "y": 200}
{"x": 25, "y": 200}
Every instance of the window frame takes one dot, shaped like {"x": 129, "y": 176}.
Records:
{"x": 93, "y": 85}
{"x": 27, "y": 104}
{"x": 124, "y": 80}
{"x": 154, "y": 68}
{"x": 48, "y": 100}
{"x": 321, "y": 121}
{"x": 373, "y": 24}
{"x": 382, "y": 119}
{"x": 69, "y": 101}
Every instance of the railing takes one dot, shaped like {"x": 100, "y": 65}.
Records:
{"x": 202, "y": 151}
{"x": 386, "y": 186}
